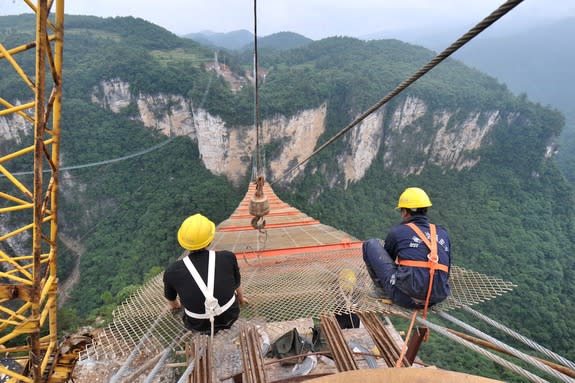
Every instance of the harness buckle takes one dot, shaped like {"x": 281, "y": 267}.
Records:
{"x": 433, "y": 258}
{"x": 212, "y": 306}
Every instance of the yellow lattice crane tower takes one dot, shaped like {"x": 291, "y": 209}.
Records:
{"x": 28, "y": 209}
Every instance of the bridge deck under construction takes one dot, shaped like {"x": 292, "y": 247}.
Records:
{"x": 298, "y": 267}
{"x": 295, "y": 269}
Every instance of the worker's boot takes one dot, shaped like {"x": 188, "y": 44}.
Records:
{"x": 378, "y": 293}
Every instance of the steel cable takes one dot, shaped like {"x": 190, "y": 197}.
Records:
{"x": 556, "y": 357}
{"x": 493, "y": 17}
{"x": 497, "y": 359}
{"x": 259, "y": 149}
{"x": 129, "y": 156}
{"x": 518, "y": 354}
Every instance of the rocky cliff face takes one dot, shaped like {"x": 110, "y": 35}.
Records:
{"x": 14, "y": 245}
{"x": 14, "y": 128}
{"x": 225, "y": 150}
{"x": 409, "y": 137}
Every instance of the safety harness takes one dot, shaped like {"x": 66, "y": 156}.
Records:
{"x": 212, "y": 306}
{"x": 432, "y": 262}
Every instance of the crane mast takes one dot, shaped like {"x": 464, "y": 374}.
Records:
{"x": 29, "y": 206}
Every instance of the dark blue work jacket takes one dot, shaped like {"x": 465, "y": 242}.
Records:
{"x": 403, "y": 242}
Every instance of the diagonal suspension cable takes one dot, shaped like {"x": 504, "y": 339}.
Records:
{"x": 513, "y": 351}
{"x": 484, "y": 24}
{"x": 534, "y": 345}
{"x": 493, "y": 357}
{"x": 111, "y": 161}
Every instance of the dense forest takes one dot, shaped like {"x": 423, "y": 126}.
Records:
{"x": 510, "y": 216}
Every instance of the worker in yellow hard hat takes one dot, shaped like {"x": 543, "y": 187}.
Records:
{"x": 205, "y": 282}
{"x": 413, "y": 251}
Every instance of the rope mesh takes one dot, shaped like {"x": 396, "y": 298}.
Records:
{"x": 282, "y": 289}
{"x": 141, "y": 321}
{"x": 308, "y": 285}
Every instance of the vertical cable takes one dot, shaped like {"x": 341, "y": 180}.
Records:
{"x": 256, "y": 96}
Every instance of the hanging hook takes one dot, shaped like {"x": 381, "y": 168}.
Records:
{"x": 259, "y": 205}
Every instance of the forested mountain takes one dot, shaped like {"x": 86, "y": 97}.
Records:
{"x": 483, "y": 154}
{"x": 243, "y": 40}
{"x": 536, "y": 59}
{"x": 234, "y": 40}
{"x": 280, "y": 41}
{"x": 539, "y": 62}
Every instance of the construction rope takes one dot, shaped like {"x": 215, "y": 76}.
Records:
{"x": 556, "y": 357}
{"x": 495, "y": 358}
{"x": 518, "y": 354}
{"x": 399, "y": 362}
{"x": 141, "y": 345}
{"x": 493, "y": 17}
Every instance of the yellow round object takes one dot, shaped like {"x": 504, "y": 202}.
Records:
{"x": 196, "y": 232}
{"x": 347, "y": 279}
{"x": 413, "y": 198}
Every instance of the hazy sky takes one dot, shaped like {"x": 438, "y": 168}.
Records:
{"x": 314, "y": 18}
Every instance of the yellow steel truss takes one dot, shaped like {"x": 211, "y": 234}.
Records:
{"x": 28, "y": 207}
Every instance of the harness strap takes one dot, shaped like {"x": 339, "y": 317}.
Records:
{"x": 218, "y": 312}
{"x": 199, "y": 281}
{"x": 433, "y": 259}
{"x": 211, "y": 271}
{"x": 213, "y": 308}
{"x": 427, "y": 264}
{"x": 430, "y": 243}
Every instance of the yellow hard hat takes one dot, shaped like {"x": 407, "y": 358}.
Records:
{"x": 413, "y": 198}
{"x": 196, "y": 232}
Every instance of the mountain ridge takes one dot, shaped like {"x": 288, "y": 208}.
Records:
{"x": 242, "y": 40}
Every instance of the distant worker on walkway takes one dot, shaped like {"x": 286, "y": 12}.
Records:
{"x": 413, "y": 250}
{"x": 205, "y": 282}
